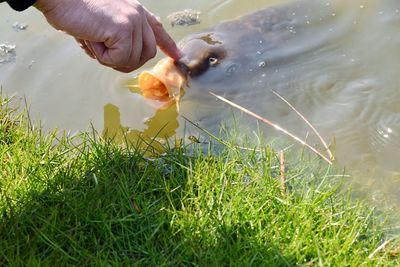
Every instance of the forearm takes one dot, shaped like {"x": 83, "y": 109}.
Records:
{"x": 19, "y": 5}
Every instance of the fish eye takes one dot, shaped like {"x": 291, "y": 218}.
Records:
{"x": 213, "y": 61}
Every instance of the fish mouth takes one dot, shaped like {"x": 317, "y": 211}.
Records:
{"x": 164, "y": 83}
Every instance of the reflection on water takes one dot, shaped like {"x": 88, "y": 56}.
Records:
{"x": 337, "y": 63}
{"x": 161, "y": 126}
{"x": 157, "y": 130}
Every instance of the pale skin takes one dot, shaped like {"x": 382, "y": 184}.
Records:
{"x": 120, "y": 34}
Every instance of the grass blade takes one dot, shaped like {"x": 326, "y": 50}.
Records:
{"x": 277, "y": 127}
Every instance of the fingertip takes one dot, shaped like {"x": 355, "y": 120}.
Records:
{"x": 177, "y": 53}
{"x": 163, "y": 39}
{"x": 169, "y": 47}
{"x": 172, "y": 51}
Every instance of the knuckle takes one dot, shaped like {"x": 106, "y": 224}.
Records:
{"x": 135, "y": 15}
{"x": 140, "y": 9}
{"x": 125, "y": 24}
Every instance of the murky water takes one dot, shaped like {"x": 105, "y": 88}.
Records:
{"x": 339, "y": 68}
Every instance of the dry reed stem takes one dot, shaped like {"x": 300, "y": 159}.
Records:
{"x": 277, "y": 127}
{"x": 136, "y": 207}
{"x": 372, "y": 255}
{"x": 308, "y": 123}
{"x": 282, "y": 170}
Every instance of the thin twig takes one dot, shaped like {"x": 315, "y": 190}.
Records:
{"x": 282, "y": 170}
{"x": 277, "y": 127}
{"x": 308, "y": 123}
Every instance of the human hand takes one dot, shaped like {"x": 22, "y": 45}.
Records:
{"x": 120, "y": 34}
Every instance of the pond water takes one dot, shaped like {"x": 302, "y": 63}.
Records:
{"x": 339, "y": 68}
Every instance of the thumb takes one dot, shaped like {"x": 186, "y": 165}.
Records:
{"x": 163, "y": 40}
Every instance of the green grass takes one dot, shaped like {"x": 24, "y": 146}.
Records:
{"x": 85, "y": 201}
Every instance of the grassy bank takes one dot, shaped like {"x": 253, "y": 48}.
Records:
{"x": 94, "y": 203}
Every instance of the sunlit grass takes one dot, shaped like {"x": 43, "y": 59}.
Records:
{"x": 87, "y": 201}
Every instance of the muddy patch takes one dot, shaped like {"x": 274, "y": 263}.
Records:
{"x": 7, "y": 53}
{"x": 185, "y": 17}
